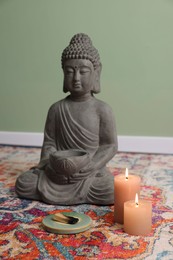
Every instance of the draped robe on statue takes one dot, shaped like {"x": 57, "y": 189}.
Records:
{"x": 64, "y": 130}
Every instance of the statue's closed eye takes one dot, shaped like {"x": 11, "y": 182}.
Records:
{"x": 84, "y": 71}
{"x": 69, "y": 71}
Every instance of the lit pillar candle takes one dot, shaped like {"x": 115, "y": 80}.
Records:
{"x": 137, "y": 217}
{"x": 125, "y": 188}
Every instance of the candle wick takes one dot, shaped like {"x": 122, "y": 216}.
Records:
{"x": 137, "y": 204}
{"x": 126, "y": 178}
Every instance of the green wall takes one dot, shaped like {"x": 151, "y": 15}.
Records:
{"x": 135, "y": 42}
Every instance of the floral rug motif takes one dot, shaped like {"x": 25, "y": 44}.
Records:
{"x": 22, "y": 235}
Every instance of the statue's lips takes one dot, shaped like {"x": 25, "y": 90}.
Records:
{"x": 76, "y": 86}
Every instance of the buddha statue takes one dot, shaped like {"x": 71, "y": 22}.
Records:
{"x": 79, "y": 137}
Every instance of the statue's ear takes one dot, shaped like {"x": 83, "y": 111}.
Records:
{"x": 65, "y": 89}
{"x": 99, "y": 69}
{"x": 96, "y": 86}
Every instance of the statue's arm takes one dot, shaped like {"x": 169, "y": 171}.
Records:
{"x": 108, "y": 144}
{"x": 49, "y": 143}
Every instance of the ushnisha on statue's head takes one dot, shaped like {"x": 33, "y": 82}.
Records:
{"x": 81, "y": 64}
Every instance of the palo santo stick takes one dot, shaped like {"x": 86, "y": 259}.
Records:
{"x": 59, "y": 217}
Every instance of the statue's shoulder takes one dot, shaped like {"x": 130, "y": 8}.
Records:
{"x": 103, "y": 107}
{"x": 56, "y": 105}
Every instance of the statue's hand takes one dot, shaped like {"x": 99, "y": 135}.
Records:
{"x": 99, "y": 160}
{"x": 88, "y": 168}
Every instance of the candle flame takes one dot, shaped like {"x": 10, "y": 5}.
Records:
{"x": 126, "y": 174}
{"x": 136, "y": 200}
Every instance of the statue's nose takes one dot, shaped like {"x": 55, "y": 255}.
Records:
{"x": 76, "y": 75}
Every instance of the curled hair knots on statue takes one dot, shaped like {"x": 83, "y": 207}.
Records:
{"x": 81, "y": 47}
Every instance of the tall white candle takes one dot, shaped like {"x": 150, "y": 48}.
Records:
{"x": 125, "y": 188}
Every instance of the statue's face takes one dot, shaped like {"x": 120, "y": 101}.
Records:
{"x": 79, "y": 76}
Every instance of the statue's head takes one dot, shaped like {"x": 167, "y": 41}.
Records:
{"x": 81, "y": 52}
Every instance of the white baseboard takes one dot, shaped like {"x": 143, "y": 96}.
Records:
{"x": 21, "y": 138}
{"x": 141, "y": 144}
{"x": 146, "y": 144}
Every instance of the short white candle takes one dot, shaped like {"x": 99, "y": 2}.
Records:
{"x": 137, "y": 217}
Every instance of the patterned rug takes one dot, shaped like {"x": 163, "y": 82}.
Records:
{"x": 23, "y": 237}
